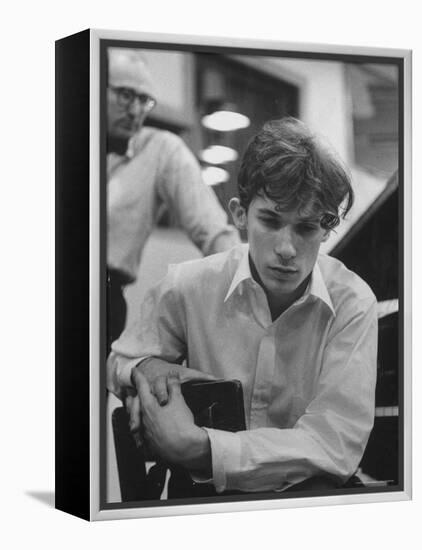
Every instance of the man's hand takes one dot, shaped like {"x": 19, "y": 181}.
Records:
{"x": 156, "y": 371}
{"x": 133, "y": 408}
{"x": 170, "y": 429}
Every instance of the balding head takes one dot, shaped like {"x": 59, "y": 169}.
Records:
{"x": 128, "y": 68}
{"x": 128, "y": 74}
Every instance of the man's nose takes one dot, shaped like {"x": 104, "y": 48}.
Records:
{"x": 285, "y": 246}
{"x": 136, "y": 107}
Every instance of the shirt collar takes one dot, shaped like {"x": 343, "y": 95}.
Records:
{"x": 242, "y": 272}
{"x": 316, "y": 286}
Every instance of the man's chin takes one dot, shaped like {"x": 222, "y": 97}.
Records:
{"x": 126, "y": 134}
{"x": 283, "y": 285}
{"x": 125, "y": 131}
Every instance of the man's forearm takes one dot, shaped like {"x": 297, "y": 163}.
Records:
{"x": 198, "y": 454}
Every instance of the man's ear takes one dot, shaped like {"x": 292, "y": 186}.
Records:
{"x": 325, "y": 236}
{"x": 238, "y": 213}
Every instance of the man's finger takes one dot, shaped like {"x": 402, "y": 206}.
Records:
{"x": 128, "y": 403}
{"x": 173, "y": 385}
{"x": 134, "y": 414}
{"x": 144, "y": 390}
{"x": 160, "y": 390}
{"x": 128, "y": 399}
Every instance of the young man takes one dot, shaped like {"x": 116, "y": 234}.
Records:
{"x": 297, "y": 328}
{"x": 146, "y": 169}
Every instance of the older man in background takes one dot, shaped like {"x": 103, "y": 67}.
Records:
{"x": 146, "y": 169}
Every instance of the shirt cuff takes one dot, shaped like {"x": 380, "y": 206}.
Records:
{"x": 120, "y": 372}
{"x": 225, "y": 454}
{"x": 124, "y": 373}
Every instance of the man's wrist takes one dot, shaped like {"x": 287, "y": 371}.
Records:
{"x": 198, "y": 455}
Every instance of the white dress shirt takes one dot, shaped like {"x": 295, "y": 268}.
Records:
{"x": 308, "y": 377}
{"x": 157, "y": 170}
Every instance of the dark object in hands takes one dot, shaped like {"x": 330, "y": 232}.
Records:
{"x": 215, "y": 404}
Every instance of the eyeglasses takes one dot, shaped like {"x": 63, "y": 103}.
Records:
{"x": 126, "y": 97}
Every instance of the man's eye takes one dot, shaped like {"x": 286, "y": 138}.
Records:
{"x": 270, "y": 222}
{"x": 306, "y": 228}
{"x": 126, "y": 94}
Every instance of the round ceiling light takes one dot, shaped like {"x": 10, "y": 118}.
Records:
{"x": 218, "y": 154}
{"x": 213, "y": 175}
{"x": 225, "y": 121}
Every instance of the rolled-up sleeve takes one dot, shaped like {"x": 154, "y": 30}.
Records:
{"x": 158, "y": 331}
{"x": 329, "y": 438}
{"x": 194, "y": 203}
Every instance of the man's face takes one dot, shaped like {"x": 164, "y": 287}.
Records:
{"x": 124, "y": 118}
{"x": 283, "y": 246}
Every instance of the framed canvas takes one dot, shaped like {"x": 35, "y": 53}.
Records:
{"x": 275, "y": 371}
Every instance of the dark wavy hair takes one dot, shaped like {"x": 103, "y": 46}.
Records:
{"x": 288, "y": 164}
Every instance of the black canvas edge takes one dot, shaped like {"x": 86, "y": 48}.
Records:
{"x": 72, "y": 380}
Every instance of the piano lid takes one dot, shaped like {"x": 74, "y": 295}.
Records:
{"x": 371, "y": 247}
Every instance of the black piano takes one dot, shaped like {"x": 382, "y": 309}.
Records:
{"x": 372, "y": 250}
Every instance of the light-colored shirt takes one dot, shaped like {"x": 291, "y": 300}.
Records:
{"x": 308, "y": 377}
{"x": 157, "y": 170}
